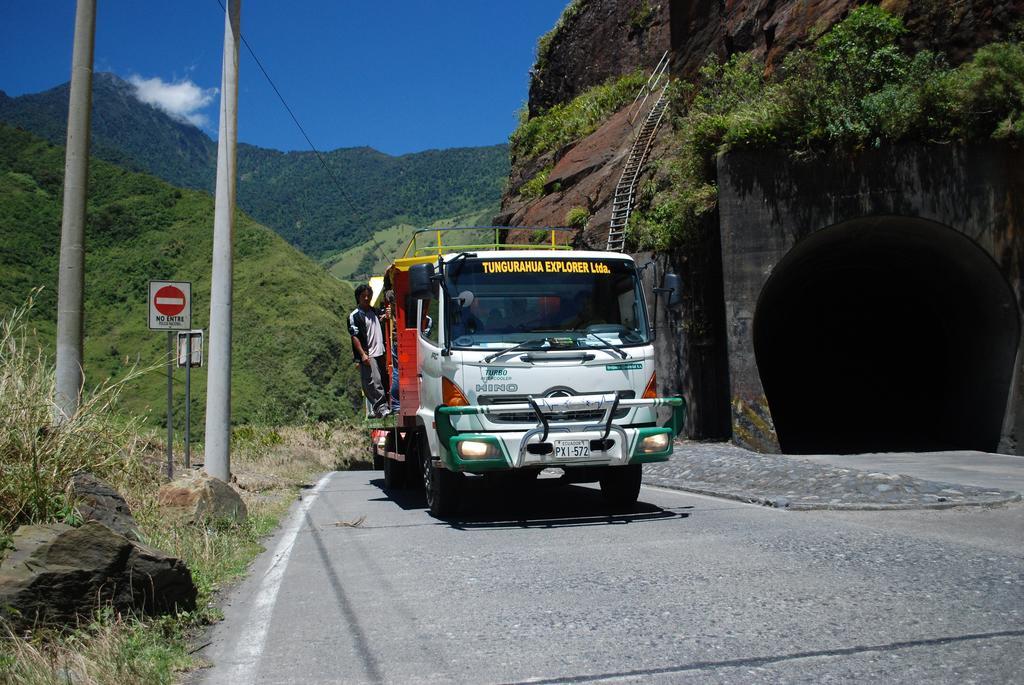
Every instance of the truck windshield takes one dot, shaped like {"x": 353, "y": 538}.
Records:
{"x": 557, "y": 302}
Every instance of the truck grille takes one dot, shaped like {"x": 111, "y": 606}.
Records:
{"x": 562, "y": 417}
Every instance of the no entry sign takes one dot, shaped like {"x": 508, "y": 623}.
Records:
{"x": 170, "y": 306}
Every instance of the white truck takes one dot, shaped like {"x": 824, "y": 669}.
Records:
{"x": 519, "y": 360}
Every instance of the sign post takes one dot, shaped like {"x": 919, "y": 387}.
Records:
{"x": 170, "y": 309}
{"x": 190, "y": 353}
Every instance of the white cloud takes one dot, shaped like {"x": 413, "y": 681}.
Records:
{"x": 182, "y": 100}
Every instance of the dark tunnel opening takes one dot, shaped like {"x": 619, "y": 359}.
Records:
{"x": 886, "y": 334}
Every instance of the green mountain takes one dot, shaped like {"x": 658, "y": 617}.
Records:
{"x": 357, "y": 264}
{"x": 290, "y": 351}
{"x": 125, "y": 131}
{"x": 290, "y": 192}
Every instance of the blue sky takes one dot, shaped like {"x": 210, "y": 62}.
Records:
{"x": 400, "y": 76}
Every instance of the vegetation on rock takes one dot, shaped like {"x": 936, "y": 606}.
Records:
{"x": 641, "y": 17}
{"x": 855, "y": 89}
{"x": 534, "y": 188}
{"x": 566, "y": 123}
{"x": 37, "y": 459}
{"x": 577, "y": 217}
{"x": 571, "y": 10}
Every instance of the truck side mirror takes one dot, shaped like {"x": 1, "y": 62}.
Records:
{"x": 674, "y": 288}
{"x": 422, "y": 285}
{"x": 671, "y": 288}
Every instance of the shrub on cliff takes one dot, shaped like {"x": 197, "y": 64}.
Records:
{"x": 577, "y": 217}
{"x": 985, "y": 97}
{"x": 568, "y": 122}
{"x": 856, "y": 88}
{"x": 534, "y": 188}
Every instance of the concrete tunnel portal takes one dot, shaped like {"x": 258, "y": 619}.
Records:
{"x": 886, "y": 334}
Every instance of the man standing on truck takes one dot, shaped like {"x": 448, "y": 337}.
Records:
{"x": 364, "y": 325}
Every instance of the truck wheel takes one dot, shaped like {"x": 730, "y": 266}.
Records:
{"x": 620, "y": 485}
{"x": 441, "y": 486}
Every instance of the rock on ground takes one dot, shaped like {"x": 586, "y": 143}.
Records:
{"x": 197, "y": 497}
{"x": 59, "y": 575}
{"x": 97, "y": 501}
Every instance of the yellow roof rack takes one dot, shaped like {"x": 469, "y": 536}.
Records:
{"x": 427, "y": 244}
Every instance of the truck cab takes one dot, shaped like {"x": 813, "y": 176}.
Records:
{"x": 518, "y": 360}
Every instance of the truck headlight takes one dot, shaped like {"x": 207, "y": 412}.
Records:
{"x": 654, "y": 443}
{"x": 476, "y": 449}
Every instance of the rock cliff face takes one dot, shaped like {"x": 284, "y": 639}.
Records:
{"x": 583, "y": 175}
{"x": 600, "y": 39}
{"x": 603, "y": 39}
{"x": 773, "y": 28}
{"x": 606, "y": 38}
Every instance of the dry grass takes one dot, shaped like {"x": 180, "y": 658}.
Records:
{"x": 268, "y": 465}
{"x": 37, "y": 458}
{"x": 36, "y": 463}
{"x": 108, "y": 650}
{"x": 289, "y": 454}
{"x": 269, "y": 472}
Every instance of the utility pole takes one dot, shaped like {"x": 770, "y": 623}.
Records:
{"x": 218, "y": 389}
{"x": 71, "y": 275}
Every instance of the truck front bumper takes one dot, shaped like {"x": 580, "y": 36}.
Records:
{"x": 558, "y": 444}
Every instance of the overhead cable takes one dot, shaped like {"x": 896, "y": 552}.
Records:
{"x": 313, "y": 147}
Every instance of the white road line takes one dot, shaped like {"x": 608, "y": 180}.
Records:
{"x": 249, "y": 646}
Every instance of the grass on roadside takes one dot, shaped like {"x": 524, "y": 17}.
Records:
{"x": 36, "y": 462}
{"x": 109, "y": 649}
{"x": 38, "y": 458}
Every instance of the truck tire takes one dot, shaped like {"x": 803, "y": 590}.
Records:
{"x": 620, "y": 485}
{"x": 441, "y": 486}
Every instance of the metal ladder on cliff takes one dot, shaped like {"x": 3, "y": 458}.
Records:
{"x": 625, "y": 190}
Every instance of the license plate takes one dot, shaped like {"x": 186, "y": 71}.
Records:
{"x": 572, "y": 449}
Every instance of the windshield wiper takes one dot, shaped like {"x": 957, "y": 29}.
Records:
{"x": 605, "y": 345}
{"x": 525, "y": 345}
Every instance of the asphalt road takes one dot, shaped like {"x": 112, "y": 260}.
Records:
{"x": 360, "y": 588}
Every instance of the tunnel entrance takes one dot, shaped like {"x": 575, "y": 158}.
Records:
{"x": 886, "y": 334}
